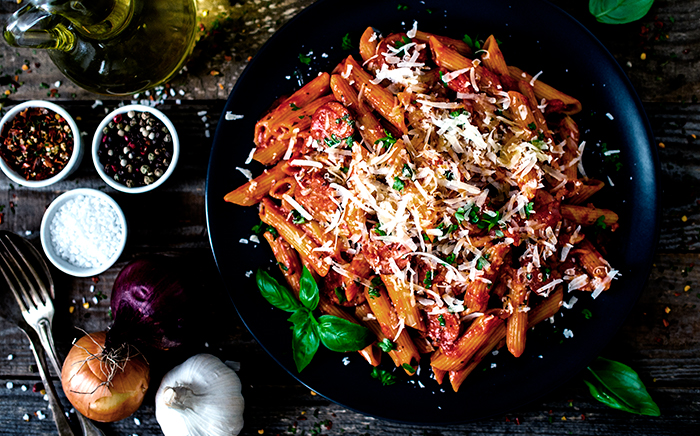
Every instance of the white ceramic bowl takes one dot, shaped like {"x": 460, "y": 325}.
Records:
{"x": 72, "y": 164}
{"x": 79, "y": 242}
{"x": 97, "y": 139}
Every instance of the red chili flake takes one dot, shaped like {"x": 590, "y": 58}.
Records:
{"x": 38, "y": 387}
{"x": 583, "y": 417}
{"x": 517, "y": 420}
{"x": 95, "y": 279}
{"x": 665, "y": 323}
{"x": 37, "y": 143}
{"x": 507, "y": 420}
{"x": 2, "y": 216}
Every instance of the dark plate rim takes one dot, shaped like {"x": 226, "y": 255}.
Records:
{"x": 641, "y": 128}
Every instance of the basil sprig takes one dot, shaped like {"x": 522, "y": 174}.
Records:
{"x": 308, "y": 333}
{"x": 619, "y": 11}
{"x": 618, "y": 386}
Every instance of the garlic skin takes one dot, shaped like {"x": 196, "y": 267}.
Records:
{"x": 200, "y": 397}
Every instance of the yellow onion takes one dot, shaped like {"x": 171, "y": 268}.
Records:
{"x": 104, "y": 385}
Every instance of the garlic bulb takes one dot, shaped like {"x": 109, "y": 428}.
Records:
{"x": 200, "y": 397}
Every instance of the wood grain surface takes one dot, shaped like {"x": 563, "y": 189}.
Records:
{"x": 660, "y": 340}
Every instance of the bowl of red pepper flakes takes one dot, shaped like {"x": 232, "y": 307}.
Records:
{"x": 40, "y": 144}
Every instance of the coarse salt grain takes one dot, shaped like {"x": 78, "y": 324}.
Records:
{"x": 86, "y": 231}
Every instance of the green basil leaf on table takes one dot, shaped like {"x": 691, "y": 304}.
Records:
{"x": 618, "y": 386}
{"x": 305, "y": 340}
{"x": 619, "y": 11}
{"x": 308, "y": 290}
{"x": 341, "y": 335}
{"x": 274, "y": 293}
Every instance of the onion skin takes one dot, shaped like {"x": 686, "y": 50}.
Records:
{"x": 151, "y": 305}
{"x": 84, "y": 372}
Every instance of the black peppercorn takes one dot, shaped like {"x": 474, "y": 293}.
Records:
{"x": 136, "y": 149}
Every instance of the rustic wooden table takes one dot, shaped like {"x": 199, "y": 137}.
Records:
{"x": 661, "y": 339}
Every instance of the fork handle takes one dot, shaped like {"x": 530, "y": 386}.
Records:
{"x": 55, "y": 405}
{"x": 87, "y": 426}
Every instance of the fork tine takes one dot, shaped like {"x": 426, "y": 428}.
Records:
{"x": 42, "y": 296}
{"x": 5, "y": 267}
{"x": 14, "y": 266}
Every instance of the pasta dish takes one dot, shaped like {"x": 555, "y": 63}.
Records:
{"x": 436, "y": 193}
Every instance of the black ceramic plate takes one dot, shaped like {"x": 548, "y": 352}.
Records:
{"x": 536, "y": 36}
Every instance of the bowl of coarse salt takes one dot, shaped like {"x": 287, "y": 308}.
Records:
{"x": 83, "y": 232}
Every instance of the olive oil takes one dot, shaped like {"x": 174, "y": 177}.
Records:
{"x": 115, "y": 47}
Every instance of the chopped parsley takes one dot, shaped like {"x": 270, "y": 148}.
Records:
{"x": 459, "y": 215}
{"x": 489, "y": 220}
{"x": 449, "y": 175}
{"x": 386, "y": 345}
{"x": 587, "y": 314}
{"x": 304, "y": 59}
{"x": 346, "y": 44}
{"x": 378, "y": 230}
{"x": 406, "y": 171}
{"x": 332, "y": 141}
{"x": 451, "y": 258}
{"x": 529, "y": 209}
{"x": 398, "y": 184}
{"x": 383, "y": 376}
{"x": 441, "y": 320}
{"x": 387, "y": 141}
{"x": 600, "y": 223}
{"x": 401, "y": 7}
{"x": 297, "y": 218}
{"x": 294, "y": 107}
{"x": 532, "y": 126}
{"x": 408, "y": 368}
{"x": 481, "y": 263}
{"x": 428, "y": 280}
{"x": 374, "y": 293}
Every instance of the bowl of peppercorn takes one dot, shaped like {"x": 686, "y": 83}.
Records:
{"x": 40, "y": 144}
{"x": 135, "y": 148}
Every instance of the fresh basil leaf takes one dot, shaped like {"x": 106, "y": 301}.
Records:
{"x": 274, "y": 293}
{"x": 619, "y": 11}
{"x": 386, "y": 345}
{"x": 341, "y": 335}
{"x": 308, "y": 290}
{"x": 305, "y": 339}
{"x": 618, "y": 386}
{"x": 300, "y": 316}
{"x": 383, "y": 376}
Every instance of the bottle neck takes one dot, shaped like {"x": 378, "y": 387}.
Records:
{"x": 101, "y": 19}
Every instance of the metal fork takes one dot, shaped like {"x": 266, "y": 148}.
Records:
{"x": 33, "y": 292}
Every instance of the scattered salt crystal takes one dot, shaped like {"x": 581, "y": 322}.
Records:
{"x": 92, "y": 288}
{"x": 57, "y": 84}
{"x": 568, "y": 333}
{"x": 24, "y": 388}
{"x": 95, "y": 300}
{"x": 9, "y": 385}
{"x": 181, "y": 92}
{"x": 172, "y": 92}
{"x": 231, "y": 116}
{"x": 254, "y": 238}
{"x": 39, "y": 414}
{"x": 25, "y": 417}
{"x": 27, "y": 232}
{"x": 201, "y": 113}
{"x": 243, "y": 241}
{"x": 248, "y": 273}
{"x": 204, "y": 119}
{"x": 97, "y": 103}
{"x": 137, "y": 421}
{"x": 206, "y": 345}
{"x": 346, "y": 361}
{"x": 495, "y": 352}
{"x": 86, "y": 231}
{"x": 493, "y": 365}
{"x": 46, "y": 397}
{"x": 207, "y": 134}
{"x": 10, "y": 357}
{"x": 178, "y": 101}
{"x": 609, "y": 115}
